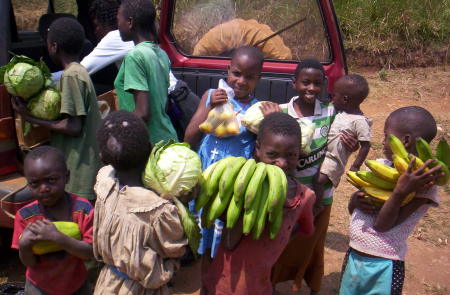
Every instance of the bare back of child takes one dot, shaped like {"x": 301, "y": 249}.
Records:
{"x": 378, "y": 236}
{"x": 61, "y": 272}
{"x": 137, "y": 234}
{"x": 243, "y": 265}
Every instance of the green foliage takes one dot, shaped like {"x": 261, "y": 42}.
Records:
{"x": 383, "y": 25}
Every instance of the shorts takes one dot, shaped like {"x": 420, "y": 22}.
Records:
{"x": 31, "y": 289}
{"x": 371, "y": 275}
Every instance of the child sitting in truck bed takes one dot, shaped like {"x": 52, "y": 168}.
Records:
{"x": 74, "y": 132}
{"x": 60, "y": 272}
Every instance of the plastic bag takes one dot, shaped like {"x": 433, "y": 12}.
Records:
{"x": 222, "y": 120}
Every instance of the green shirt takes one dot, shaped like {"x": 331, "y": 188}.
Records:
{"x": 82, "y": 157}
{"x": 146, "y": 68}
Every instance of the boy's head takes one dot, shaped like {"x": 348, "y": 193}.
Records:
{"x": 308, "y": 80}
{"x": 103, "y": 14}
{"x": 123, "y": 140}
{"x": 408, "y": 124}
{"x": 65, "y": 37}
{"x": 46, "y": 173}
{"x": 349, "y": 92}
{"x": 278, "y": 141}
{"x": 136, "y": 16}
{"x": 244, "y": 70}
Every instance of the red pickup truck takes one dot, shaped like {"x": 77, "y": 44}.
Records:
{"x": 198, "y": 36}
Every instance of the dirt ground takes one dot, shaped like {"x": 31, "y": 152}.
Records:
{"x": 428, "y": 258}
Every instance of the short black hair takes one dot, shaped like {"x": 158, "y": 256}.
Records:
{"x": 414, "y": 120}
{"x": 46, "y": 152}
{"x": 68, "y": 34}
{"x": 309, "y": 63}
{"x": 143, "y": 13}
{"x": 123, "y": 140}
{"x": 104, "y": 12}
{"x": 359, "y": 86}
{"x": 251, "y": 51}
{"x": 279, "y": 124}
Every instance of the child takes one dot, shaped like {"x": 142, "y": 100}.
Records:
{"x": 375, "y": 260}
{"x": 349, "y": 92}
{"x": 303, "y": 257}
{"x": 143, "y": 77}
{"x": 60, "y": 272}
{"x": 137, "y": 234}
{"x": 74, "y": 132}
{"x": 245, "y": 268}
{"x": 244, "y": 73}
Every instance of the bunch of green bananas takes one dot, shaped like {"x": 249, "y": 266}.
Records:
{"x": 380, "y": 181}
{"x": 238, "y": 185}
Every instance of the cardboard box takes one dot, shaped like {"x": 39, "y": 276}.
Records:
{"x": 37, "y": 136}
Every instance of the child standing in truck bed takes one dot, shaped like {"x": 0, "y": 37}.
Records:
{"x": 74, "y": 132}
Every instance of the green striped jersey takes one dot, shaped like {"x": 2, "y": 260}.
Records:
{"x": 308, "y": 166}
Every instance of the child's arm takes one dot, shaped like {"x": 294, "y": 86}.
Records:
{"x": 27, "y": 240}
{"x": 67, "y": 125}
{"x": 193, "y": 134}
{"x": 392, "y": 214}
{"x": 362, "y": 154}
{"x": 359, "y": 200}
{"x": 318, "y": 185}
{"x": 44, "y": 230}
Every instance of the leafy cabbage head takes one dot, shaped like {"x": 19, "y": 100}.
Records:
{"x": 46, "y": 105}
{"x": 172, "y": 170}
{"x": 24, "y": 80}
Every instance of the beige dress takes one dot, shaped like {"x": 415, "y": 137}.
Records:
{"x": 137, "y": 232}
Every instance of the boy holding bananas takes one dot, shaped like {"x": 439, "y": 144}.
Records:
{"x": 243, "y": 265}
{"x": 375, "y": 259}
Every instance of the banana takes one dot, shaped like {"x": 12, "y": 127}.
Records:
{"x": 370, "y": 177}
{"x": 275, "y": 224}
{"x": 400, "y": 164}
{"x": 353, "y": 183}
{"x": 443, "y": 152}
{"x": 254, "y": 184}
{"x": 203, "y": 197}
{"x": 243, "y": 178}
{"x": 250, "y": 214}
{"x": 205, "y": 222}
{"x": 417, "y": 163}
{"x": 213, "y": 182}
{"x": 275, "y": 190}
{"x": 234, "y": 211}
{"x": 228, "y": 177}
{"x": 423, "y": 149}
{"x": 356, "y": 179}
{"x": 261, "y": 215}
{"x": 397, "y": 147}
{"x": 443, "y": 179}
{"x": 212, "y": 213}
{"x": 382, "y": 195}
{"x": 383, "y": 171}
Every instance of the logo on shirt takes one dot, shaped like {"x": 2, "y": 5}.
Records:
{"x": 324, "y": 131}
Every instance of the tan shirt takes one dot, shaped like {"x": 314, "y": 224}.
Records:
{"x": 337, "y": 155}
{"x": 137, "y": 232}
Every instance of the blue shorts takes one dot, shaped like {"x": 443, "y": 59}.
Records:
{"x": 362, "y": 275}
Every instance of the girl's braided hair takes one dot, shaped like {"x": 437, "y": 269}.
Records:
{"x": 104, "y": 12}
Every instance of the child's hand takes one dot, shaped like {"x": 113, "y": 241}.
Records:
{"x": 19, "y": 105}
{"x": 269, "y": 107}
{"x": 218, "y": 97}
{"x": 27, "y": 239}
{"x": 350, "y": 141}
{"x": 186, "y": 198}
{"x": 354, "y": 168}
{"x": 412, "y": 181}
{"x": 358, "y": 200}
{"x": 44, "y": 230}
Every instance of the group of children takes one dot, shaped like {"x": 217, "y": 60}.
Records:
{"x": 138, "y": 236}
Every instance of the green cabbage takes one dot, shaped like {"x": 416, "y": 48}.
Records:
{"x": 24, "y": 77}
{"x": 190, "y": 226}
{"x": 46, "y": 105}
{"x": 173, "y": 169}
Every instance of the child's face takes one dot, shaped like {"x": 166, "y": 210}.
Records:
{"x": 46, "y": 179}
{"x": 124, "y": 25}
{"x": 308, "y": 84}
{"x": 341, "y": 95}
{"x": 280, "y": 150}
{"x": 52, "y": 51}
{"x": 243, "y": 75}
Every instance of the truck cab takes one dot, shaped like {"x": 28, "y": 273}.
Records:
{"x": 199, "y": 37}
